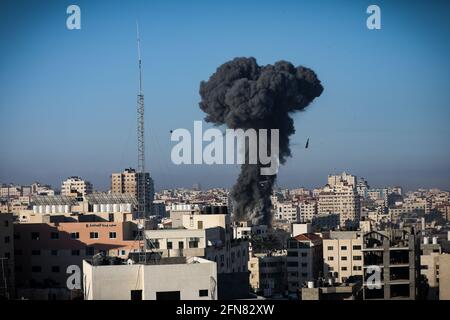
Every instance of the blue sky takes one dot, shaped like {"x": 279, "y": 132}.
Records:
{"x": 68, "y": 98}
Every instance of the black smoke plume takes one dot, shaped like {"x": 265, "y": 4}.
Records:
{"x": 242, "y": 94}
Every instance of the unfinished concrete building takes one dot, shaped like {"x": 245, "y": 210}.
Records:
{"x": 391, "y": 264}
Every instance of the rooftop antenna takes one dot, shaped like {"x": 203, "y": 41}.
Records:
{"x": 141, "y": 179}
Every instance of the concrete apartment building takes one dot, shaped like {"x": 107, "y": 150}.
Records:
{"x": 45, "y": 249}
{"x": 341, "y": 199}
{"x": 307, "y": 210}
{"x": 395, "y": 253}
{"x": 6, "y": 255}
{"x": 429, "y": 266}
{"x": 203, "y": 235}
{"x": 268, "y": 273}
{"x": 340, "y": 179}
{"x": 247, "y": 230}
{"x": 444, "y": 277}
{"x": 342, "y": 256}
{"x": 126, "y": 182}
{"x": 180, "y": 278}
{"x": 304, "y": 260}
{"x": 75, "y": 185}
{"x": 287, "y": 211}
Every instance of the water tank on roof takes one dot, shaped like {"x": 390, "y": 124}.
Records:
{"x": 116, "y": 207}
{"x": 310, "y": 284}
{"x": 435, "y": 240}
{"x": 426, "y": 240}
{"x": 103, "y": 208}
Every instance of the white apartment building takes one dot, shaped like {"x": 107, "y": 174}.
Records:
{"x": 203, "y": 235}
{"x": 341, "y": 199}
{"x": 341, "y": 179}
{"x": 304, "y": 260}
{"x": 307, "y": 210}
{"x": 75, "y": 184}
{"x": 342, "y": 255}
{"x": 287, "y": 211}
{"x": 246, "y": 230}
{"x": 179, "y": 278}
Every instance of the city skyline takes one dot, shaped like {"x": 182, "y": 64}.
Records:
{"x": 71, "y": 110}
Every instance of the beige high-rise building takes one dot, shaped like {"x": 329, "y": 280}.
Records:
{"x": 127, "y": 182}
{"x": 444, "y": 277}
{"x": 342, "y": 255}
{"x": 75, "y": 185}
{"x": 341, "y": 199}
{"x": 341, "y": 179}
{"x": 124, "y": 182}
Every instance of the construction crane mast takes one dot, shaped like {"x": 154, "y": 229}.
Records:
{"x": 141, "y": 176}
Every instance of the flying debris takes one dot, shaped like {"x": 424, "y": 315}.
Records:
{"x": 307, "y": 144}
{"x": 244, "y": 95}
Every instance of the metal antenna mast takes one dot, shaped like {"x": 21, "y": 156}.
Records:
{"x": 141, "y": 177}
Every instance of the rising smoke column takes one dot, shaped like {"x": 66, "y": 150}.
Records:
{"x": 242, "y": 94}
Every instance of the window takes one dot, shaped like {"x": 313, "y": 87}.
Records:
{"x": 90, "y": 251}
{"x": 330, "y": 248}
{"x": 304, "y": 275}
{"x": 357, "y": 258}
{"x": 304, "y": 265}
{"x": 154, "y": 243}
{"x": 55, "y": 269}
{"x": 35, "y": 252}
{"x": 36, "y": 269}
{"x": 180, "y": 245}
{"x": 292, "y": 254}
{"x": 357, "y": 268}
{"x": 344, "y": 268}
{"x": 7, "y": 239}
{"x": 54, "y": 252}
{"x": 344, "y": 258}
{"x": 356, "y": 247}
{"x": 343, "y": 247}
{"x": 193, "y": 244}
{"x": 136, "y": 294}
{"x": 16, "y": 236}
{"x": 203, "y": 293}
{"x": 75, "y": 235}
{"x": 75, "y": 252}
{"x": 169, "y": 245}
{"x": 168, "y": 295}
{"x": 6, "y": 223}
{"x": 304, "y": 254}
{"x": 292, "y": 264}
{"x": 112, "y": 235}
{"x": 54, "y": 235}
{"x": 35, "y": 236}
{"x": 330, "y": 258}
{"x": 93, "y": 235}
